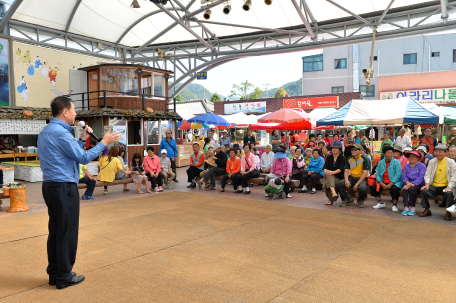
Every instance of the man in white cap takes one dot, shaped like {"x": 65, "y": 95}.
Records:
{"x": 402, "y": 139}
{"x": 439, "y": 180}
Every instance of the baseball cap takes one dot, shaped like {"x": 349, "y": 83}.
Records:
{"x": 164, "y": 151}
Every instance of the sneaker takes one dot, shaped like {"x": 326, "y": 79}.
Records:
{"x": 288, "y": 196}
{"x": 405, "y": 213}
{"x": 411, "y": 213}
{"x": 192, "y": 185}
{"x": 395, "y": 208}
{"x": 451, "y": 209}
{"x": 169, "y": 186}
{"x": 175, "y": 180}
{"x": 303, "y": 190}
{"x": 313, "y": 191}
{"x": 105, "y": 192}
{"x": 360, "y": 203}
{"x": 157, "y": 189}
{"x": 266, "y": 195}
{"x": 346, "y": 203}
{"x": 160, "y": 188}
{"x": 379, "y": 205}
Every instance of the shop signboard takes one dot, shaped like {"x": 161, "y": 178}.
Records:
{"x": 311, "y": 103}
{"x": 264, "y": 138}
{"x": 21, "y": 127}
{"x": 430, "y": 95}
{"x": 246, "y": 107}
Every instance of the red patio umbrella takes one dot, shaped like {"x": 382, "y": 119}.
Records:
{"x": 285, "y": 115}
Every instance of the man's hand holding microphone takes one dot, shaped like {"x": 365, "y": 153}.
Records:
{"x": 107, "y": 139}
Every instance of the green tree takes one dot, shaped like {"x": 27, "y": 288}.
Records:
{"x": 242, "y": 90}
{"x": 216, "y": 98}
{"x": 280, "y": 93}
{"x": 256, "y": 94}
{"x": 179, "y": 98}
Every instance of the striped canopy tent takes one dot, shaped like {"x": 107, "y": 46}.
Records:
{"x": 380, "y": 112}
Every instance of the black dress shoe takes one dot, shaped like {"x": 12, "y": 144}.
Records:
{"x": 239, "y": 191}
{"x": 175, "y": 180}
{"x": 52, "y": 281}
{"x": 192, "y": 185}
{"x": 75, "y": 281}
{"x": 442, "y": 205}
{"x": 247, "y": 192}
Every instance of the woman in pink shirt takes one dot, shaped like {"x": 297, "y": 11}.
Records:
{"x": 281, "y": 168}
{"x": 399, "y": 155}
{"x": 152, "y": 167}
{"x": 249, "y": 169}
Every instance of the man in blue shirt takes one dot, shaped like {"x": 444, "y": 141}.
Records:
{"x": 60, "y": 156}
{"x": 225, "y": 139}
{"x": 171, "y": 147}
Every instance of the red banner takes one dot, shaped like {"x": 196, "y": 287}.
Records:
{"x": 308, "y": 103}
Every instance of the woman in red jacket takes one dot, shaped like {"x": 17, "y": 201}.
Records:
{"x": 233, "y": 166}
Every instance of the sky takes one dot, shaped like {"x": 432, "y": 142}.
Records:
{"x": 274, "y": 70}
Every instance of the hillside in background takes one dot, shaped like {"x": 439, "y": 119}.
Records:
{"x": 196, "y": 91}
{"x": 292, "y": 88}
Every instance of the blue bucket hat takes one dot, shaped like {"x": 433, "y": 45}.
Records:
{"x": 280, "y": 155}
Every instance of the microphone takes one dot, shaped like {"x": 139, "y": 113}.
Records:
{"x": 82, "y": 125}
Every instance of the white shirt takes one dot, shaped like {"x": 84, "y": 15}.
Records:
{"x": 267, "y": 160}
{"x": 403, "y": 141}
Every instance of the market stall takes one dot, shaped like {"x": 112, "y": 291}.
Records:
{"x": 380, "y": 112}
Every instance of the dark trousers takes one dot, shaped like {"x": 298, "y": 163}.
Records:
{"x": 448, "y": 197}
{"x": 313, "y": 179}
{"x": 243, "y": 179}
{"x": 193, "y": 172}
{"x": 155, "y": 181}
{"x": 214, "y": 171}
{"x": 394, "y": 191}
{"x": 410, "y": 195}
{"x": 296, "y": 176}
{"x": 1, "y": 177}
{"x": 286, "y": 186}
{"x": 173, "y": 168}
{"x": 62, "y": 200}
{"x": 233, "y": 180}
{"x": 343, "y": 190}
{"x": 90, "y": 185}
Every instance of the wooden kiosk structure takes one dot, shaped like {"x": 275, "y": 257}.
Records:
{"x": 135, "y": 94}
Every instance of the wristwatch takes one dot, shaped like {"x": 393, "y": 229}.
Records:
{"x": 84, "y": 141}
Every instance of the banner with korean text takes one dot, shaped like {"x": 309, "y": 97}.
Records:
{"x": 246, "y": 107}
{"x": 310, "y": 103}
{"x": 431, "y": 95}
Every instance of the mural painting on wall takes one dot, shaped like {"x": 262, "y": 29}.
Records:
{"x": 40, "y": 73}
{"x": 4, "y": 74}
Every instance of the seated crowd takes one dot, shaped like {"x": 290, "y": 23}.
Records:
{"x": 343, "y": 169}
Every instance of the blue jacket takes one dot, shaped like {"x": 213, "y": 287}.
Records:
{"x": 60, "y": 154}
{"x": 317, "y": 165}
{"x": 394, "y": 172}
{"x": 171, "y": 148}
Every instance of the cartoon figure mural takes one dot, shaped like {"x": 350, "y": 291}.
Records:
{"x": 45, "y": 70}
{"x": 26, "y": 58}
{"x": 53, "y": 75}
{"x": 30, "y": 69}
{"x": 38, "y": 63}
{"x": 22, "y": 89}
{"x": 18, "y": 54}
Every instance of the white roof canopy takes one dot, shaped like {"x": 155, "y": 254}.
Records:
{"x": 108, "y": 20}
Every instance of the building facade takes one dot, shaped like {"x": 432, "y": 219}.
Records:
{"x": 339, "y": 69}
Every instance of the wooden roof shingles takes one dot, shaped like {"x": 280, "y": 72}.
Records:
{"x": 17, "y": 112}
{"x": 127, "y": 113}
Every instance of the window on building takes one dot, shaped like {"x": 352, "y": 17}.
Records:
{"x": 159, "y": 85}
{"x": 313, "y": 63}
{"x": 454, "y": 55}
{"x": 367, "y": 90}
{"x": 409, "y": 58}
{"x": 337, "y": 89}
{"x": 435, "y": 54}
{"x": 134, "y": 132}
{"x": 340, "y": 63}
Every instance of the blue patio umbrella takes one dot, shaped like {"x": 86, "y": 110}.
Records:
{"x": 209, "y": 118}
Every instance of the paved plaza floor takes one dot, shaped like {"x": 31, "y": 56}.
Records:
{"x": 191, "y": 245}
